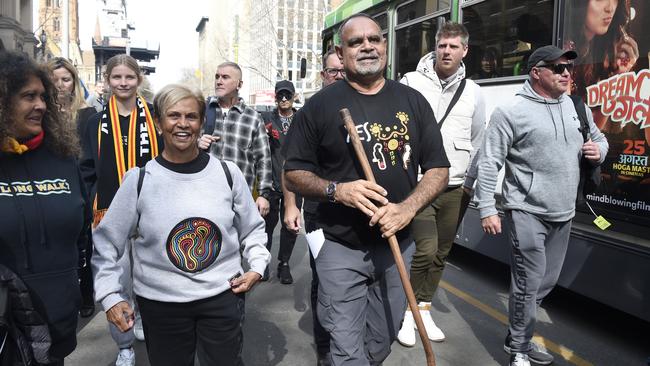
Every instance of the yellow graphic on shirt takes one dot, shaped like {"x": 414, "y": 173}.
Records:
{"x": 43, "y": 187}
{"x": 393, "y": 138}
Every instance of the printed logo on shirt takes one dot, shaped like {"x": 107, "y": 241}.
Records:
{"x": 392, "y": 146}
{"x": 194, "y": 244}
{"x": 43, "y": 187}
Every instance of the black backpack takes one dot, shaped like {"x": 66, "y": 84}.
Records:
{"x": 589, "y": 173}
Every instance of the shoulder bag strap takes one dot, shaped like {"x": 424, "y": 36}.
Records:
{"x": 454, "y": 99}
{"x": 582, "y": 115}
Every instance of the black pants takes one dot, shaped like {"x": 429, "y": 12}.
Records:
{"x": 210, "y": 328}
{"x": 86, "y": 276}
{"x": 321, "y": 337}
{"x": 287, "y": 238}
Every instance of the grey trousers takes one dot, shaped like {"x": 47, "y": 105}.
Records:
{"x": 538, "y": 249}
{"x": 125, "y": 339}
{"x": 361, "y": 301}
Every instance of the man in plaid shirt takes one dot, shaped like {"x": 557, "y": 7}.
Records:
{"x": 239, "y": 134}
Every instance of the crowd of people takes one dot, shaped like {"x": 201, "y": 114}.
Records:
{"x": 164, "y": 213}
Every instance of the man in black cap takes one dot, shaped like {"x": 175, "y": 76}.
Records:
{"x": 277, "y": 125}
{"x": 537, "y": 136}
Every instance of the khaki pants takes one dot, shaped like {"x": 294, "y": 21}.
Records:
{"x": 434, "y": 230}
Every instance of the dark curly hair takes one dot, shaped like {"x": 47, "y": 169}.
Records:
{"x": 60, "y": 134}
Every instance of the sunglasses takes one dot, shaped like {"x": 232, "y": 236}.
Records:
{"x": 283, "y": 95}
{"x": 333, "y": 72}
{"x": 558, "y": 68}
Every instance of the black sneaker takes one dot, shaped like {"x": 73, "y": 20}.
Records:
{"x": 537, "y": 354}
{"x": 284, "y": 274}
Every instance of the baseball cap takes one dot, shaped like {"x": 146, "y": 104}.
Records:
{"x": 549, "y": 53}
{"x": 284, "y": 85}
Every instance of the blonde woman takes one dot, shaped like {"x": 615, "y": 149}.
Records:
{"x": 71, "y": 102}
{"x": 120, "y": 137}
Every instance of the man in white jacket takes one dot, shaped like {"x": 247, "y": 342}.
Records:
{"x": 460, "y": 113}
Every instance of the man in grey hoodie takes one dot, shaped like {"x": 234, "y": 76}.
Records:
{"x": 537, "y": 137}
{"x": 440, "y": 77}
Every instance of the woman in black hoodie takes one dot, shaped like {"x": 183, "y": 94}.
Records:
{"x": 43, "y": 205}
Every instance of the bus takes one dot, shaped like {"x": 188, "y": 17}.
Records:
{"x": 610, "y": 266}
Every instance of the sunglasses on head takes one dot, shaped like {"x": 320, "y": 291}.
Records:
{"x": 558, "y": 68}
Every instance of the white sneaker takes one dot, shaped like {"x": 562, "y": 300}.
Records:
{"x": 406, "y": 335}
{"x": 137, "y": 328}
{"x": 519, "y": 359}
{"x": 126, "y": 357}
{"x": 435, "y": 334}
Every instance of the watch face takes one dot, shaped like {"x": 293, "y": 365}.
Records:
{"x": 331, "y": 189}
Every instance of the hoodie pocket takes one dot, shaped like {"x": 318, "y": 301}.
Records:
{"x": 459, "y": 157}
{"x": 57, "y": 298}
{"x": 523, "y": 185}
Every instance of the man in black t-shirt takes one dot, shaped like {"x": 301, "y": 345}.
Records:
{"x": 360, "y": 299}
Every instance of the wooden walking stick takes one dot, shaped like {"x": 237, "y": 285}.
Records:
{"x": 392, "y": 241}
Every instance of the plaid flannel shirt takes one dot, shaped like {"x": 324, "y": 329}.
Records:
{"x": 243, "y": 140}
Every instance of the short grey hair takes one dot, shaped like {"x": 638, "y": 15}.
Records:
{"x": 234, "y": 65}
{"x": 174, "y": 93}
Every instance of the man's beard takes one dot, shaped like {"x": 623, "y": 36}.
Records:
{"x": 369, "y": 69}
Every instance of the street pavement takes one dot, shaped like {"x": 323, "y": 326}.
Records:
{"x": 470, "y": 309}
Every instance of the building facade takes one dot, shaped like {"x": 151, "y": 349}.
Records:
{"x": 283, "y": 32}
{"x": 223, "y": 36}
{"x": 267, "y": 38}
{"x": 50, "y": 31}
{"x": 16, "y": 26}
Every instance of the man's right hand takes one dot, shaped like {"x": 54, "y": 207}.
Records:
{"x": 121, "y": 315}
{"x": 491, "y": 224}
{"x": 206, "y": 140}
{"x": 361, "y": 194}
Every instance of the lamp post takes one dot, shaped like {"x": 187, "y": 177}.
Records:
{"x": 43, "y": 39}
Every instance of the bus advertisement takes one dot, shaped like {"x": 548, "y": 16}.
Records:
{"x": 612, "y": 76}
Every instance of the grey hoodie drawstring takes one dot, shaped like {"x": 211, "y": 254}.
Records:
{"x": 548, "y": 108}
{"x": 23, "y": 225}
{"x": 563, "y": 126}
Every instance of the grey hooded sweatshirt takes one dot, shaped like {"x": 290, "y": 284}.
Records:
{"x": 539, "y": 142}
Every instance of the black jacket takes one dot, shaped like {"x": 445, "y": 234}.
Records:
{"x": 45, "y": 213}
{"x": 277, "y": 131}
{"x": 24, "y": 331}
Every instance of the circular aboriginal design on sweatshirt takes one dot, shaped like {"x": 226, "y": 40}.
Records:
{"x": 194, "y": 244}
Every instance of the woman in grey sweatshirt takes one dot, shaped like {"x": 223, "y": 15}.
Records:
{"x": 191, "y": 222}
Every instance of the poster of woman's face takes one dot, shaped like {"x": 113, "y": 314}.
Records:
{"x": 611, "y": 75}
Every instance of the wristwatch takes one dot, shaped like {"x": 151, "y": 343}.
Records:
{"x": 265, "y": 194}
{"x": 330, "y": 191}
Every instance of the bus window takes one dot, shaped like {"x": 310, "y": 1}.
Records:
{"x": 508, "y": 31}
{"x": 414, "y": 41}
{"x": 382, "y": 19}
{"x": 420, "y": 8}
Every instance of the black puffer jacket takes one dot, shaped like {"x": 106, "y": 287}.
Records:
{"x": 23, "y": 331}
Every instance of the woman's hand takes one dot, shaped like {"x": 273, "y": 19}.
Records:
{"x": 205, "y": 141}
{"x": 245, "y": 283}
{"x": 121, "y": 315}
{"x": 627, "y": 53}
